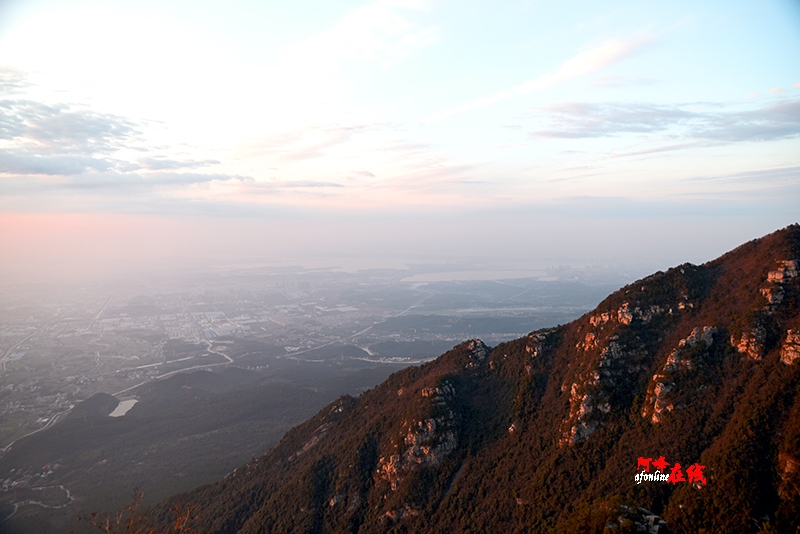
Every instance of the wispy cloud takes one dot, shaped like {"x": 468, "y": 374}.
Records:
{"x": 61, "y": 129}
{"x": 127, "y": 182}
{"x": 57, "y": 139}
{"x": 587, "y": 61}
{"x": 161, "y": 164}
{"x": 771, "y": 176}
{"x": 778, "y": 121}
{"x": 305, "y": 183}
{"x": 378, "y": 33}
{"x": 621, "y": 81}
{"x": 12, "y": 81}
{"x": 63, "y": 139}
{"x": 581, "y": 120}
{"x": 299, "y": 145}
{"x": 590, "y": 120}
{"x": 14, "y": 162}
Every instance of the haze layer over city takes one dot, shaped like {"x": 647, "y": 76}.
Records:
{"x": 382, "y": 134}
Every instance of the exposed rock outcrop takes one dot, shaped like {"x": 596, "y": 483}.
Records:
{"x": 591, "y": 392}
{"x": 774, "y": 295}
{"x": 426, "y": 442}
{"x": 393, "y": 516}
{"x": 679, "y": 361}
{"x": 751, "y": 343}
{"x": 578, "y": 425}
{"x": 787, "y": 269}
{"x": 534, "y": 345}
{"x": 790, "y": 351}
{"x": 789, "y": 468}
{"x": 478, "y": 351}
{"x": 632, "y": 519}
{"x": 312, "y": 441}
{"x": 626, "y": 314}
{"x": 774, "y": 292}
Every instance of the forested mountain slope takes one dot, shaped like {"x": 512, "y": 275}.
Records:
{"x": 697, "y": 366}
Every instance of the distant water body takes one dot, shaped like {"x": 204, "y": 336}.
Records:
{"x": 487, "y": 275}
{"x": 123, "y": 407}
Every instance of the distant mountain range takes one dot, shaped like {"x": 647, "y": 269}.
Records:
{"x": 690, "y": 375}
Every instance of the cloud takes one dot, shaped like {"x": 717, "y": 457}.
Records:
{"x": 59, "y": 139}
{"x": 12, "y": 162}
{"x": 251, "y": 192}
{"x": 305, "y": 183}
{"x": 160, "y": 164}
{"x": 589, "y": 60}
{"x": 128, "y": 182}
{"x": 590, "y": 120}
{"x": 12, "y": 81}
{"x": 308, "y": 143}
{"x": 407, "y": 148}
{"x": 778, "y": 121}
{"x": 621, "y": 81}
{"x": 581, "y": 120}
{"x": 60, "y": 129}
{"x": 376, "y": 33}
{"x": 762, "y": 177}
{"x": 62, "y": 139}
{"x": 434, "y": 177}
{"x": 657, "y": 149}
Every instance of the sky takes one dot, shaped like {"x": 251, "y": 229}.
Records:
{"x": 381, "y": 133}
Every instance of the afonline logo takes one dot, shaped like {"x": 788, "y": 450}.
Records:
{"x": 644, "y": 465}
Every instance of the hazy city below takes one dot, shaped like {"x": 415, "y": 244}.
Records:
{"x": 60, "y": 344}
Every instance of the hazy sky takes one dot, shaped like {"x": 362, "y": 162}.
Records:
{"x": 140, "y": 132}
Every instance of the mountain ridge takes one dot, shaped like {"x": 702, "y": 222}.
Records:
{"x": 696, "y": 366}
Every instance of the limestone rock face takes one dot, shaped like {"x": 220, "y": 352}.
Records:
{"x": 424, "y": 445}
{"x": 751, "y": 343}
{"x": 599, "y": 319}
{"x": 534, "y": 344}
{"x": 426, "y": 442}
{"x": 787, "y": 269}
{"x": 594, "y": 386}
{"x": 790, "y": 351}
{"x": 637, "y": 519}
{"x": 478, "y": 351}
{"x": 657, "y": 401}
{"x": 578, "y": 423}
{"x": 312, "y": 441}
{"x": 775, "y": 289}
{"x": 789, "y": 468}
{"x": 678, "y": 360}
{"x": 627, "y": 313}
{"x": 774, "y": 295}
